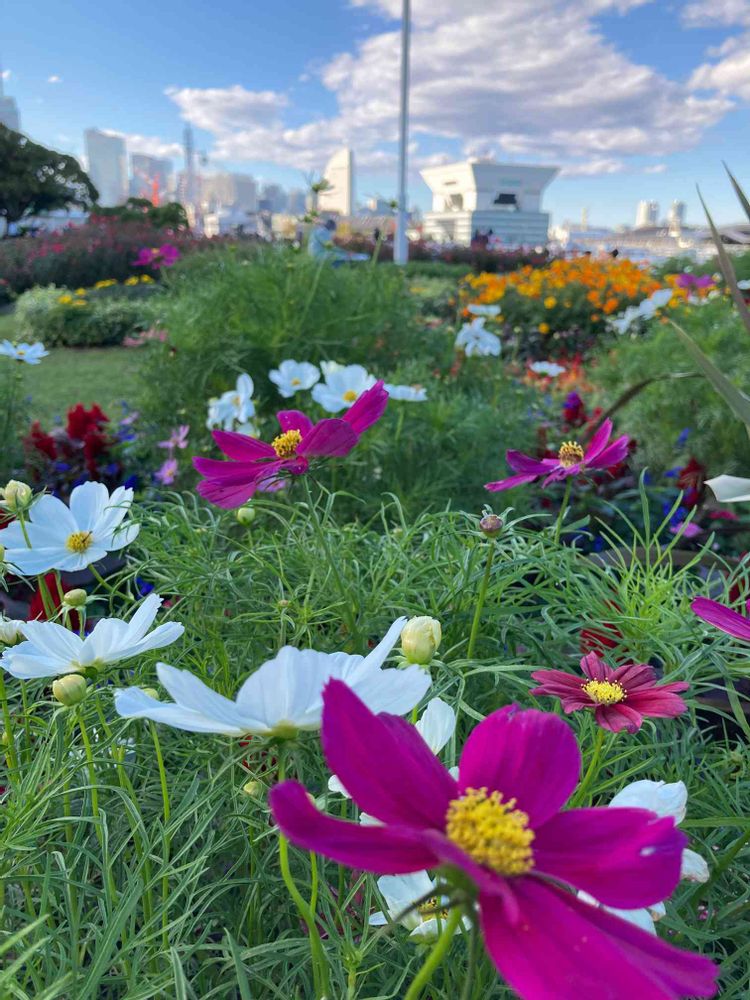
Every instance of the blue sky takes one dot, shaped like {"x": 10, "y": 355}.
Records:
{"x": 632, "y": 98}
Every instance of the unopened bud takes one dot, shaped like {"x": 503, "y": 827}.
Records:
{"x": 420, "y": 639}
{"x": 11, "y": 631}
{"x": 252, "y": 788}
{"x": 75, "y": 598}
{"x": 491, "y": 525}
{"x": 246, "y": 515}
{"x": 70, "y": 690}
{"x": 2, "y": 553}
{"x": 15, "y": 495}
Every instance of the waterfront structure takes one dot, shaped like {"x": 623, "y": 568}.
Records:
{"x": 338, "y": 199}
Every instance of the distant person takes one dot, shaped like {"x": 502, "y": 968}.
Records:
{"x": 320, "y": 245}
{"x": 376, "y": 234}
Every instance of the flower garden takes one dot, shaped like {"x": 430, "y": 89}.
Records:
{"x": 389, "y": 640}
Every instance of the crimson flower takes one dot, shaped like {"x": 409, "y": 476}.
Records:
{"x": 38, "y": 440}
{"x": 723, "y": 618}
{"x": 257, "y": 465}
{"x": 620, "y": 698}
{"x": 500, "y": 826}
{"x": 80, "y": 420}
{"x": 572, "y": 459}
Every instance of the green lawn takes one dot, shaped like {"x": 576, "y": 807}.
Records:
{"x": 103, "y": 375}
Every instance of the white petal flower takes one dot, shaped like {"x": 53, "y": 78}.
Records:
{"x": 233, "y": 407}
{"x": 283, "y": 696}
{"x": 476, "y": 341}
{"x": 343, "y": 385}
{"x": 31, "y": 354}
{"x": 665, "y": 798}
{"x": 645, "y": 310}
{"x": 406, "y": 393}
{"x": 548, "y": 368}
{"x": 730, "y": 489}
{"x": 11, "y": 631}
{"x": 400, "y": 892}
{"x": 70, "y": 538}
{"x": 293, "y": 376}
{"x": 484, "y": 310}
{"x": 51, "y": 650}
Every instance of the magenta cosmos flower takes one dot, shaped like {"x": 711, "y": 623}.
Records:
{"x": 257, "y": 465}
{"x": 500, "y": 824}
{"x": 572, "y": 459}
{"x": 620, "y": 698}
{"x": 721, "y": 617}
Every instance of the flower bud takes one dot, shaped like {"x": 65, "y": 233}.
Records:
{"x": 420, "y": 639}
{"x": 252, "y": 788}
{"x": 16, "y": 495}
{"x": 11, "y": 631}
{"x": 491, "y": 525}
{"x": 2, "y": 554}
{"x": 246, "y": 515}
{"x": 75, "y": 598}
{"x": 70, "y": 689}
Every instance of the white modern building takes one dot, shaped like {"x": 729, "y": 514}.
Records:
{"x": 339, "y": 173}
{"x": 647, "y": 214}
{"x": 8, "y": 110}
{"x": 107, "y": 166}
{"x": 492, "y": 199}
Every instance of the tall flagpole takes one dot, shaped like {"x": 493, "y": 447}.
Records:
{"x": 401, "y": 244}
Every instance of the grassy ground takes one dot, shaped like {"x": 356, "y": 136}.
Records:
{"x": 103, "y": 375}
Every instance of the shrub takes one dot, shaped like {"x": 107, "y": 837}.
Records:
{"x": 657, "y": 415}
{"x": 63, "y": 318}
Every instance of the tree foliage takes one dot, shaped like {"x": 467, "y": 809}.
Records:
{"x": 169, "y": 216}
{"x": 34, "y": 179}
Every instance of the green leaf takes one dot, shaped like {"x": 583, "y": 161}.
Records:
{"x": 727, "y": 269}
{"x": 738, "y": 191}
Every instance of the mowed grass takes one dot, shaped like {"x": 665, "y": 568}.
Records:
{"x": 103, "y": 375}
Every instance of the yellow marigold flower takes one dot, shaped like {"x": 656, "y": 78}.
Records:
{"x": 78, "y": 302}
{"x": 146, "y": 279}
{"x": 65, "y": 300}
{"x": 544, "y": 327}
{"x": 131, "y": 281}
{"x": 80, "y": 291}
{"x": 550, "y": 302}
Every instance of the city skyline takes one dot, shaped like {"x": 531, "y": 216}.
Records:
{"x": 640, "y": 121}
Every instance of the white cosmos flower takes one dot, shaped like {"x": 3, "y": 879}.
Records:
{"x": 665, "y": 798}
{"x": 548, "y": 368}
{"x": 476, "y": 341}
{"x": 436, "y": 727}
{"x": 343, "y": 385}
{"x": 71, "y": 538}
{"x": 11, "y": 631}
{"x": 51, "y": 650}
{"x": 293, "y": 376}
{"x": 400, "y": 892}
{"x": 730, "y": 489}
{"x": 645, "y": 310}
{"x": 284, "y": 695}
{"x": 235, "y": 406}
{"x": 406, "y": 393}
{"x": 31, "y": 354}
{"x": 484, "y": 310}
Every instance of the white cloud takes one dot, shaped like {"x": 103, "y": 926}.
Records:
{"x": 539, "y": 81}
{"x": 54, "y": 78}
{"x": 593, "y": 168}
{"x": 655, "y": 168}
{"x": 5, "y": 74}
{"x": 702, "y": 14}
{"x": 148, "y": 145}
{"x": 730, "y": 76}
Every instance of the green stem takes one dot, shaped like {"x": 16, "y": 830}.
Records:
{"x": 346, "y": 595}
{"x": 592, "y": 770}
{"x": 320, "y": 964}
{"x": 480, "y": 601}
{"x": 10, "y": 747}
{"x": 563, "y": 508}
{"x": 721, "y": 867}
{"x": 167, "y": 812}
{"x": 436, "y": 955}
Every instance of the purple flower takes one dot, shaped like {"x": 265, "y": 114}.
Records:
{"x": 167, "y": 472}
{"x": 177, "y": 439}
{"x": 723, "y": 618}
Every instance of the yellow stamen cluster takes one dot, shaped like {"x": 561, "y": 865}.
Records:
{"x": 350, "y": 395}
{"x": 286, "y": 444}
{"x": 79, "y": 541}
{"x": 605, "y": 692}
{"x": 433, "y": 907}
{"x": 570, "y": 453}
{"x": 491, "y": 831}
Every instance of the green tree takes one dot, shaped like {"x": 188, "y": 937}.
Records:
{"x": 169, "y": 216}
{"x": 34, "y": 179}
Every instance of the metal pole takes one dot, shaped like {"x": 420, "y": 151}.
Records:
{"x": 401, "y": 244}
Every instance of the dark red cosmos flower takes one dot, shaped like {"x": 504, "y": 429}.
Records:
{"x": 80, "y": 420}
{"x": 691, "y": 478}
{"x": 620, "y": 698}
{"x": 39, "y": 440}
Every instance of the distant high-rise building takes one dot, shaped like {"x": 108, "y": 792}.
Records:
{"x": 584, "y": 219}
{"x": 273, "y": 198}
{"x": 339, "y": 173}
{"x": 150, "y": 177}
{"x": 379, "y": 206}
{"x": 297, "y": 201}
{"x": 8, "y": 109}
{"x": 107, "y": 166}
{"x": 677, "y": 215}
{"x": 647, "y": 214}
{"x": 245, "y": 193}
{"x": 235, "y": 191}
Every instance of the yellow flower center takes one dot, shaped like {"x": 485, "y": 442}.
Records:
{"x": 433, "y": 907}
{"x": 570, "y": 453}
{"x": 350, "y": 395}
{"x": 491, "y": 831}
{"x": 605, "y": 692}
{"x": 286, "y": 444}
{"x": 79, "y": 541}
{"x": 296, "y": 381}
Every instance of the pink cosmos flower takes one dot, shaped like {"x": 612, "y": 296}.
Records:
{"x": 500, "y": 826}
{"x": 688, "y": 529}
{"x": 177, "y": 439}
{"x": 723, "y": 618}
{"x": 572, "y": 459}
{"x": 620, "y": 698}
{"x": 257, "y": 465}
{"x": 167, "y": 472}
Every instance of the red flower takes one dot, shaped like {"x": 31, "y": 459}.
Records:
{"x": 691, "y": 478}
{"x": 81, "y": 420}
{"x": 39, "y": 440}
{"x": 620, "y": 698}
